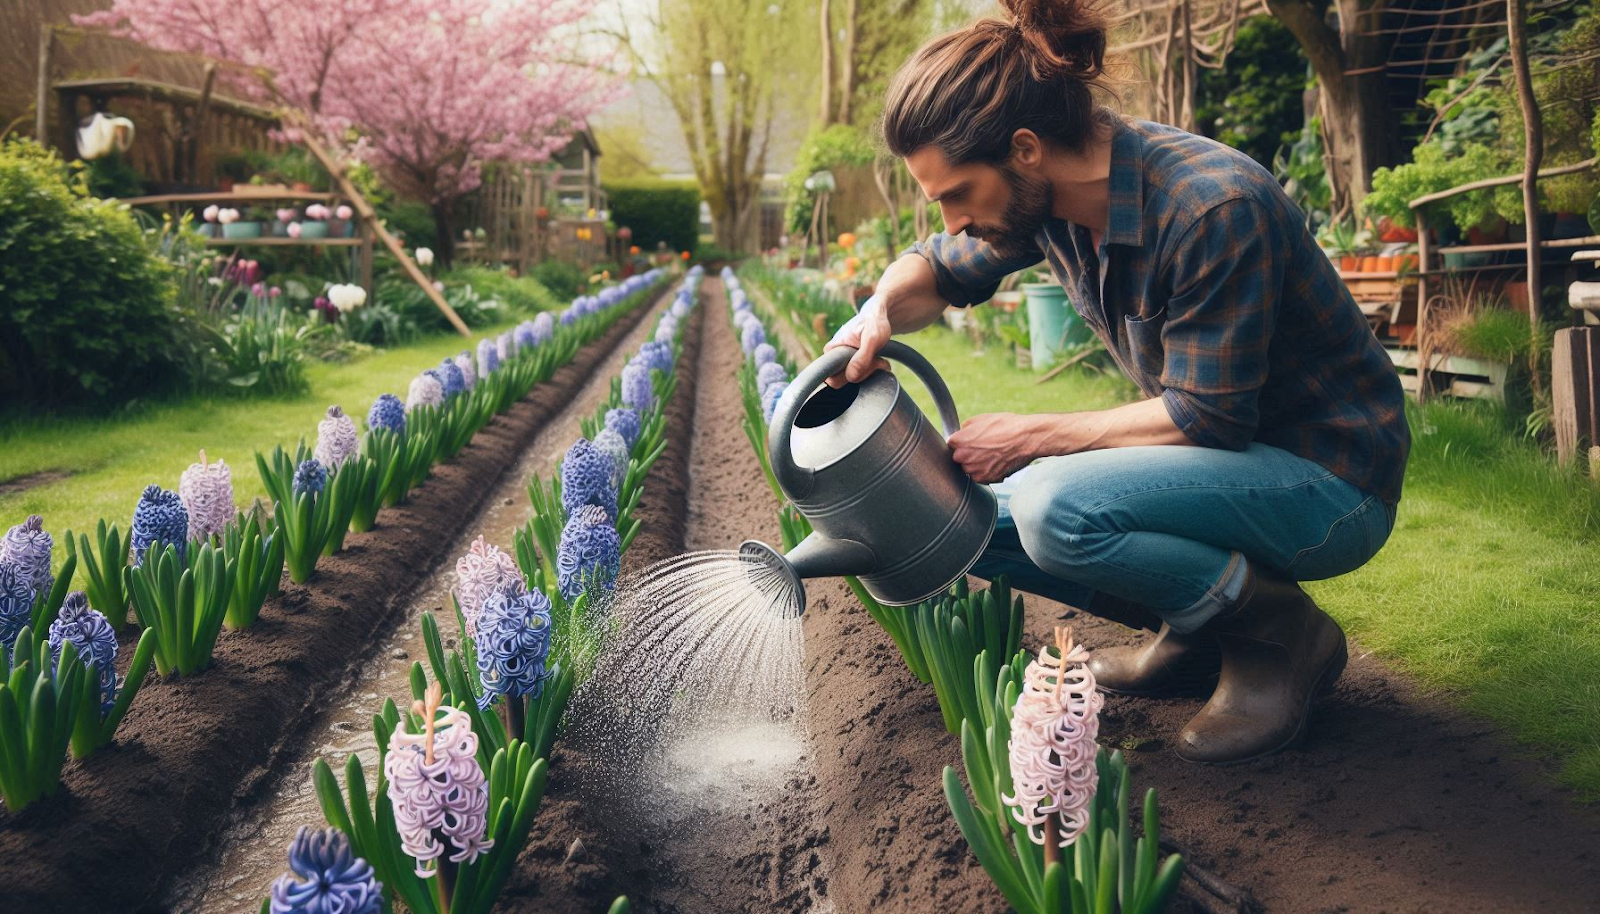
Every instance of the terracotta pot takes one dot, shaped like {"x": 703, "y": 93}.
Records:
{"x": 1349, "y": 263}
{"x": 1492, "y": 232}
{"x": 1385, "y": 265}
{"x": 1389, "y": 232}
{"x": 1408, "y": 263}
{"x": 301, "y": 187}
{"x": 1517, "y": 295}
{"x": 1369, "y": 264}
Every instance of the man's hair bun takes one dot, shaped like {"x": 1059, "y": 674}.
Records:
{"x": 1061, "y": 37}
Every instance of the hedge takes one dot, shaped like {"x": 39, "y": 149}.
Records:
{"x": 657, "y": 210}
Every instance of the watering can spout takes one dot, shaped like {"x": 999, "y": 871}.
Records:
{"x": 817, "y": 556}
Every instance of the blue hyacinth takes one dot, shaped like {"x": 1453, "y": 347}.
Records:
{"x": 523, "y": 334}
{"x": 586, "y": 479}
{"x": 657, "y": 356}
{"x": 769, "y": 373}
{"x": 159, "y": 520}
{"x": 488, "y": 358}
{"x": 544, "y": 327}
{"x": 387, "y": 412}
{"x": 569, "y": 315}
{"x": 763, "y": 354}
{"x": 611, "y": 444}
{"x": 93, "y": 638}
{"x": 513, "y": 640}
{"x": 770, "y": 396}
{"x": 451, "y": 377}
{"x": 636, "y": 390}
{"x": 16, "y": 604}
{"x": 624, "y": 422}
{"x": 333, "y": 880}
{"x": 590, "y": 554}
{"x": 309, "y": 478}
{"x": 752, "y": 336}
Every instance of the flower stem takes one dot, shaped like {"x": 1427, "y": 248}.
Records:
{"x": 517, "y": 717}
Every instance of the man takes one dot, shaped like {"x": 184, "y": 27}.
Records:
{"x": 1270, "y": 442}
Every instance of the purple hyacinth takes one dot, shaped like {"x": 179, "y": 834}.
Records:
{"x": 469, "y": 373}
{"x": 637, "y": 392}
{"x": 426, "y": 390}
{"x": 309, "y": 478}
{"x": 770, "y": 373}
{"x": 590, "y": 554}
{"x": 159, "y": 521}
{"x": 752, "y": 336}
{"x": 206, "y": 490}
{"x": 523, "y": 334}
{"x": 624, "y": 422}
{"x": 505, "y": 346}
{"x": 569, "y": 315}
{"x": 586, "y": 479}
{"x": 337, "y": 440}
{"x": 770, "y": 396}
{"x": 387, "y": 412}
{"x": 666, "y": 331}
{"x": 544, "y": 326}
{"x": 16, "y": 604}
{"x": 484, "y": 570}
{"x": 450, "y": 376}
{"x": 333, "y": 880}
{"x": 93, "y": 638}
{"x": 657, "y": 355}
{"x": 681, "y": 308}
{"x": 764, "y": 354}
{"x": 447, "y": 798}
{"x": 611, "y": 444}
{"x": 513, "y": 640}
{"x": 488, "y": 358}
{"x": 26, "y": 548}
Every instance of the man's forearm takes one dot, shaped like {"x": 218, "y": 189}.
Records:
{"x": 910, "y": 296}
{"x": 1144, "y": 423}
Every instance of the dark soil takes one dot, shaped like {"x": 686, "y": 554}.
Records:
{"x": 139, "y": 811}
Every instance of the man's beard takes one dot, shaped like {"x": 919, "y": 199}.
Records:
{"x": 1025, "y": 215}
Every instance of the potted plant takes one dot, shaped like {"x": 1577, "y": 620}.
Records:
{"x": 236, "y": 225}
{"x": 339, "y": 223}
{"x": 315, "y": 224}
{"x": 1339, "y": 240}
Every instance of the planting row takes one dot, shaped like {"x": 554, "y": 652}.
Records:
{"x": 1045, "y": 810}
{"x": 462, "y": 767}
{"x": 192, "y": 563}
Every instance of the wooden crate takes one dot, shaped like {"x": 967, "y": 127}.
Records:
{"x": 1453, "y": 375}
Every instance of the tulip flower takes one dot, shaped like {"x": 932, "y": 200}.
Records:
{"x": 206, "y": 491}
{"x": 333, "y": 880}
{"x": 347, "y": 296}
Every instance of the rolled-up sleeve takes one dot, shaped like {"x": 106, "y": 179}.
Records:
{"x": 967, "y": 271}
{"x": 1226, "y": 276}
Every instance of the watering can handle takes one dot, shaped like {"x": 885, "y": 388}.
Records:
{"x": 796, "y": 479}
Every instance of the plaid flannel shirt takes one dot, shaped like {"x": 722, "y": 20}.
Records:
{"x": 1211, "y": 294}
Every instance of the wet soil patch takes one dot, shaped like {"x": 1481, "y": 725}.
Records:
{"x": 134, "y": 814}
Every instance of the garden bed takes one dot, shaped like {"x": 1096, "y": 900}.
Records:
{"x": 131, "y": 816}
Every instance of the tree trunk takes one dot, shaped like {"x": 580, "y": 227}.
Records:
{"x": 847, "y": 86}
{"x": 827, "y": 63}
{"x": 443, "y": 227}
{"x": 1533, "y": 153}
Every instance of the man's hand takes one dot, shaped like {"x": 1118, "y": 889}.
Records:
{"x": 992, "y": 446}
{"x": 866, "y": 333}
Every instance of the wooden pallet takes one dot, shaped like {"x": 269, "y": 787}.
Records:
{"x": 1453, "y": 375}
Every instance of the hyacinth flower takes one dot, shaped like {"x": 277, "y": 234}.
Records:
{"x": 658, "y": 356}
{"x": 488, "y": 358}
{"x": 95, "y": 640}
{"x": 569, "y": 316}
{"x": 16, "y": 604}
{"x": 610, "y": 443}
{"x": 337, "y": 440}
{"x": 469, "y": 373}
{"x": 752, "y": 336}
{"x": 637, "y": 392}
{"x": 590, "y": 554}
{"x": 310, "y": 477}
{"x": 1053, "y": 730}
{"x": 625, "y": 422}
{"x": 438, "y": 792}
{"x": 543, "y": 327}
{"x": 426, "y": 390}
{"x": 452, "y": 379}
{"x": 666, "y": 331}
{"x": 159, "y": 520}
{"x": 206, "y": 491}
{"x": 332, "y": 879}
{"x": 26, "y": 548}
{"x": 764, "y": 354}
{"x": 586, "y": 479}
{"x": 770, "y": 397}
{"x": 387, "y": 413}
{"x": 771, "y": 373}
{"x": 513, "y": 645}
{"x": 523, "y": 334}
{"x": 482, "y": 571}
{"x": 505, "y": 346}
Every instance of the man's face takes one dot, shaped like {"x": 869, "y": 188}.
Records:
{"x": 1000, "y": 206}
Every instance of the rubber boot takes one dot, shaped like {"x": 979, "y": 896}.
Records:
{"x": 1166, "y": 663}
{"x": 1279, "y": 652}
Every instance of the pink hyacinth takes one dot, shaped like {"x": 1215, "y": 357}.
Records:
{"x": 484, "y": 570}
{"x": 469, "y": 374}
{"x": 1053, "y": 749}
{"x": 336, "y": 439}
{"x": 425, "y": 390}
{"x": 437, "y": 789}
{"x": 206, "y": 491}
{"x": 294, "y": 230}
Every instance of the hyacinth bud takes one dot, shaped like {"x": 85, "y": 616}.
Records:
{"x": 450, "y": 376}
{"x": 333, "y": 880}
{"x": 1053, "y": 731}
{"x": 387, "y": 412}
{"x": 469, "y": 371}
{"x": 26, "y": 548}
{"x": 16, "y": 604}
{"x": 586, "y": 479}
{"x": 770, "y": 395}
{"x": 624, "y": 422}
{"x": 637, "y": 393}
{"x": 206, "y": 490}
{"x": 590, "y": 554}
{"x": 447, "y": 798}
{"x": 309, "y": 478}
{"x": 93, "y": 638}
{"x": 611, "y": 444}
{"x": 752, "y": 336}
{"x": 336, "y": 439}
{"x": 513, "y": 641}
{"x": 481, "y": 571}
{"x": 764, "y": 354}
{"x": 159, "y": 521}
{"x": 543, "y": 326}
{"x": 425, "y": 390}
{"x": 505, "y": 345}
{"x": 488, "y": 358}
{"x": 771, "y": 373}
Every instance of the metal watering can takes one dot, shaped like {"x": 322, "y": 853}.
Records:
{"x": 886, "y": 502}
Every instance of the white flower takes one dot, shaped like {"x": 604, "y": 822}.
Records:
{"x": 210, "y": 213}
{"x": 347, "y": 296}
{"x": 226, "y": 216}
{"x": 425, "y": 257}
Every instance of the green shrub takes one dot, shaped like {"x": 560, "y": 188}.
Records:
{"x": 564, "y": 280}
{"x": 412, "y": 222}
{"x": 657, "y": 210}
{"x": 87, "y": 300}
{"x": 522, "y": 294}
{"x": 1496, "y": 334}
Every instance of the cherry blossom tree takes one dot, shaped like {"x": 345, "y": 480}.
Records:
{"x": 426, "y": 91}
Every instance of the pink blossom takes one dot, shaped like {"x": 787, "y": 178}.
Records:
{"x": 274, "y": 292}
{"x": 294, "y": 230}
{"x": 317, "y": 211}
{"x": 285, "y": 215}
{"x": 259, "y": 290}
{"x": 344, "y": 212}
{"x": 1052, "y": 749}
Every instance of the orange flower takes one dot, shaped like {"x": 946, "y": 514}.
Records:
{"x": 685, "y": 255}
{"x": 847, "y": 240}
{"x": 633, "y": 249}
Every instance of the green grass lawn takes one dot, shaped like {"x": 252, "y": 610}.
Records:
{"x": 109, "y": 460}
{"x": 1489, "y": 588}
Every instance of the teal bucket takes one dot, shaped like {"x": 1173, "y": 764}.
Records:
{"x": 1052, "y": 322}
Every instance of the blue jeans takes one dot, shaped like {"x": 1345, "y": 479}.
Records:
{"x": 1171, "y": 528}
